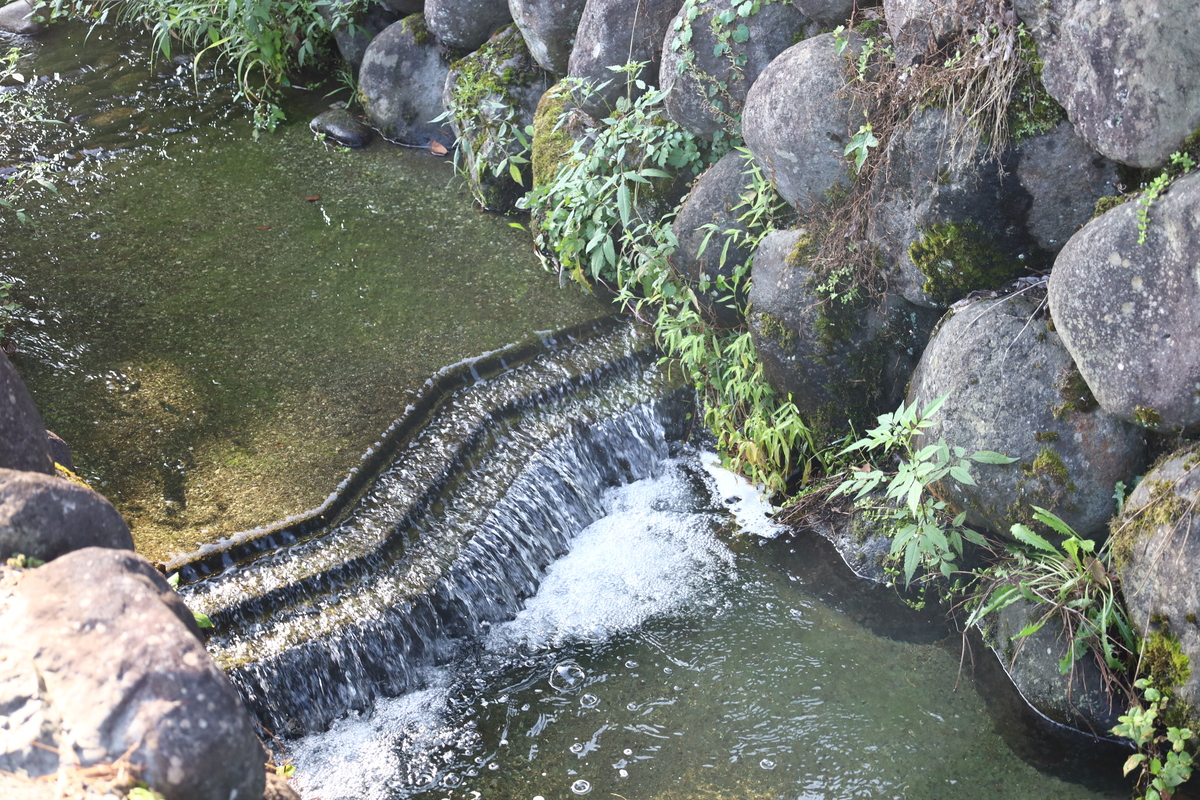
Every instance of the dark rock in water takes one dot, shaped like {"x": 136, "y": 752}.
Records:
{"x": 17, "y": 17}
{"x": 950, "y": 220}
{"x": 341, "y": 127}
{"x": 23, "y": 442}
{"x": 612, "y": 33}
{"x": 44, "y": 516}
{"x": 123, "y": 670}
{"x": 798, "y": 119}
{"x": 837, "y": 360}
{"x": 549, "y": 29}
{"x": 921, "y": 27}
{"x": 401, "y": 80}
{"x": 359, "y": 27}
{"x": 705, "y": 81}
{"x": 1064, "y": 177}
{"x": 713, "y": 201}
{"x": 60, "y": 453}
{"x": 1129, "y": 313}
{"x": 1078, "y": 698}
{"x": 1157, "y": 553}
{"x": 1013, "y": 389}
{"x": 492, "y": 94}
{"x": 465, "y": 24}
{"x": 1125, "y": 71}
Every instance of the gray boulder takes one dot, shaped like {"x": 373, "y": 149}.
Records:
{"x": 702, "y": 258}
{"x": 400, "y": 84}
{"x": 1013, "y": 389}
{"x": 549, "y": 29}
{"x": 17, "y": 17}
{"x": 23, "y": 443}
{"x": 837, "y": 360}
{"x": 921, "y": 27}
{"x": 1064, "y": 178}
{"x": 830, "y": 13}
{"x": 1129, "y": 313}
{"x": 707, "y": 74}
{"x": 1125, "y": 71}
{"x": 357, "y": 26}
{"x": 339, "y": 126}
{"x": 1078, "y": 698}
{"x": 45, "y": 516}
{"x": 798, "y": 119}
{"x": 1157, "y": 554}
{"x": 612, "y": 33}
{"x": 492, "y": 95}
{"x": 949, "y": 221}
{"x": 466, "y": 24}
{"x": 120, "y": 662}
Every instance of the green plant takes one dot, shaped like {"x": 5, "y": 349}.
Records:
{"x": 1161, "y": 769}
{"x": 202, "y": 620}
{"x": 860, "y": 144}
{"x": 1071, "y": 582}
{"x": 264, "y": 41}
{"x": 21, "y": 106}
{"x": 1179, "y": 165}
{"x": 924, "y": 533}
{"x": 143, "y": 792}
{"x": 22, "y": 561}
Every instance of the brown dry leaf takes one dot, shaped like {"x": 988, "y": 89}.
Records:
{"x": 312, "y": 198}
{"x": 437, "y": 148}
{"x": 263, "y": 228}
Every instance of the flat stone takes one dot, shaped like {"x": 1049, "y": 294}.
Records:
{"x": 341, "y": 127}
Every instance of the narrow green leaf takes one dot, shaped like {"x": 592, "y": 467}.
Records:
{"x": 1026, "y": 536}
{"x": 991, "y": 457}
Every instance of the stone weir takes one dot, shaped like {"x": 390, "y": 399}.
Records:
{"x": 443, "y": 530}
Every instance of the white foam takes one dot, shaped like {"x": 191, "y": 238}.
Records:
{"x": 749, "y": 506}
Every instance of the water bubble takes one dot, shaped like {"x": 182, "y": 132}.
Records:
{"x": 624, "y": 773}
{"x": 567, "y": 676}
{"x": 667, "y": 670}
{"x": 577, "y": 747}
{"x": 767, "y": 763}
{"x": 581, "y": 787}
{"x": 493, "y": 765}
{"x": 451, "y": 780}
{"x": 631, "y": 665}
{"x": 627, "y": 751}
{"x": 589, "y": 701}
{"x": 632, "y": 707}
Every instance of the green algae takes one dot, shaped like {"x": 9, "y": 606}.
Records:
{"x": 957, "y": 258}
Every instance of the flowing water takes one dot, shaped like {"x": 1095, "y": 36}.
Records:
{"x": 529, "y": 587}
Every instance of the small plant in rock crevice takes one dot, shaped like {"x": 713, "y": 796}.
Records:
{"x": 1178, "y": 165}
{"x": 1162, "y": 761}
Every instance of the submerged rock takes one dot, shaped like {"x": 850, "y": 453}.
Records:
{"x": 23, "y": 443}
{"x": 837, "y": 360}
{"x": 1013, "y": 389}
{"x": 1124, "y": 70}
{"x": 341, "y": 127}
{"x": 17, "y": 17}
{"x": 44, "y": 517}
{"x": 798, "y": 119}
{"x": 708, "y": 65}
{"x": 613, "y": 33}
{"x": 492, "y": 95}
{"x": 401, "y": 81}
{"x": 1157, "y": 553}
{"x": 1129, "y": 313}
{"x": 122, "y": 671}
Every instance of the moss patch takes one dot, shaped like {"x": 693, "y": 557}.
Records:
{"x": 1046, "y": 436}
{"x": 1146, "y": 417}
{"x": 415, "y": 25}
{"x": 957, "y": 258}
{"x": 773, "y": 328}
{"x": 1074, "y": 391}
{"x": 551, "y": 142}
{"x": 1164, "y": 509}
{"x": 1163, "y": 661}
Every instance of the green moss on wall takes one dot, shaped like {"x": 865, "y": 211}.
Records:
{"x": 551, "y": 142}
{"x": 957, "y": 258}
{"x": 1074, "y": 392}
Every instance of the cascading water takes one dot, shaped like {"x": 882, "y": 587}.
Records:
{"x": 533, "y": 588}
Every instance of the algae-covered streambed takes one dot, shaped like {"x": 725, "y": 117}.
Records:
{"x": 227, "y": 324}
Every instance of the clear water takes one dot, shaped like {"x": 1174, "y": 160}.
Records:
{"x": 671, "y": 656}
{"x": 217, "y": 346}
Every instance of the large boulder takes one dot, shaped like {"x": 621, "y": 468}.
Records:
{"x": 708, "y": 65}
{"x": 1157, "y": 554}
{"x": 799, "y": 117}
{"x": 830, "y": 13}
{"x": 1012, "y": 388}
{"x": 23, "y": 443}
{"x": 949, "y": 220}
{"x": 1129, "y": 313}
{"x": 109, "y": 662}
{"x": 400, "y": 84}
{"x": 492, "y": 95}
{"x": 354, "y": 26}
{"x": 839, "y": 361}
{"x": 549, "y": 29}
{"x": 466, "y": 24}
{"x": 44, "y": 517}
{"x": 1064, "y": 178}
{"x": 613, "y": 33}
{"x": 1126, "y": 71}
{"x": 17, "y": 17}
{"x": 919, "y": 28}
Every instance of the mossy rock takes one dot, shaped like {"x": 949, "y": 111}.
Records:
{"x": 400, "y": 84}
{"x": 492, "y": 95}
{"x": 1006, "y": 372}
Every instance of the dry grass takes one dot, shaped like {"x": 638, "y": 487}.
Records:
{"x": 73, "y": 782}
